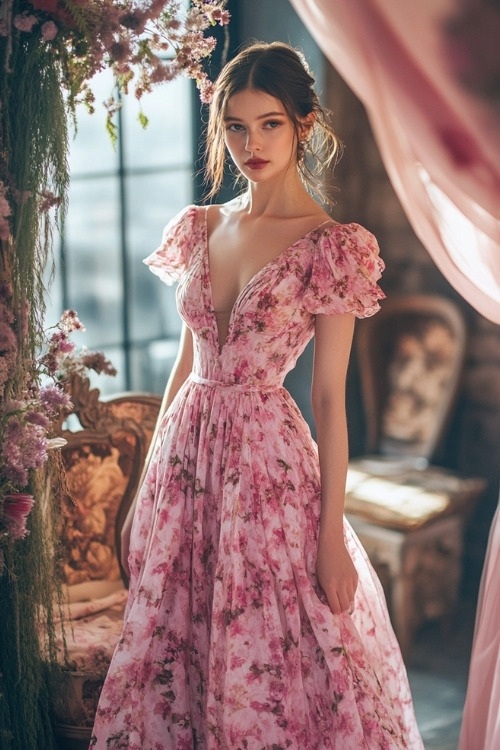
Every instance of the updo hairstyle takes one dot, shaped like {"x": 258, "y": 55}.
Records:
{"x": 281, "y": 72}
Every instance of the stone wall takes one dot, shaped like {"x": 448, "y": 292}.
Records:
{"x": 472, "y": 443}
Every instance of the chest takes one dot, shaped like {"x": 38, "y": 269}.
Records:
{"x": 235, "y": 256}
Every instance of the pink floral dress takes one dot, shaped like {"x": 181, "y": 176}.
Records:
{"x": 228, "y": 643}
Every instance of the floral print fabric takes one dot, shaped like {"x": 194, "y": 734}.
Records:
{"x": 228, "y": 643}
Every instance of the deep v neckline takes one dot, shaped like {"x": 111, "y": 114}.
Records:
{"x": 206, "y": 259}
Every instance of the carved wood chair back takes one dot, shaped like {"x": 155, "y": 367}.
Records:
{"x": 411, "y": 357}
{"x": 103, "y": 460}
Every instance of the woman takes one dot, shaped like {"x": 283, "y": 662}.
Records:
{"x": 254, "y": 619}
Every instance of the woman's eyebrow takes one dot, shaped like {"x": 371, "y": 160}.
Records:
{"x": 260, "y": 117}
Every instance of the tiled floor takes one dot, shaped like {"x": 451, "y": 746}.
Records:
{"x": 438, "y": 670}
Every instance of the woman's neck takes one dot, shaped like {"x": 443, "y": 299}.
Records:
{"x": 284, "y": 200}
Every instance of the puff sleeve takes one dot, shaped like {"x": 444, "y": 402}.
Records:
{"x": 345, "y": 269}
{"x": 171, "y": 258}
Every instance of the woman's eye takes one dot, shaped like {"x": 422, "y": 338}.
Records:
{"x": 272, "y": 124}
{"x": 235, "y": 127}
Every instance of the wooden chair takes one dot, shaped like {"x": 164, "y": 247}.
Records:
{"x": 103, "y": 458}
{"x": 408, "y": 512}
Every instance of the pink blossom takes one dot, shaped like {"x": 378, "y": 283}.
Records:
{"x": 4, "y": 229}
{"x": 5, "y": 292}
{"x": 49, "y": 200}
{"x": 60, "y": 344}
{"x": 49, "y": 31}
{"x": 24, "y": 22}
{"x": 50, "y": 363}
{"x": 6, "y": 370}
{"x": 135, "y": 20}
{"x": 98, "y": 362}
{"x": 221, "y": 16}
{"x": 70, "y": 322}
{"x": 119, "y": 51}
{"x": 196, "y": 20}
{"x": 15, "y": 511}
{"x": 7, "y": 337}
{"x": 5, "y": 211}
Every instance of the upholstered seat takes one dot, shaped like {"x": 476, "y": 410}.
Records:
{"x": 103, "y": 459}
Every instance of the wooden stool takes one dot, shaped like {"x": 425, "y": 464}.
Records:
{"x": 411, "y": 524}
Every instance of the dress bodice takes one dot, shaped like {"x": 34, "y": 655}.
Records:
{"x": 332, "y": 270}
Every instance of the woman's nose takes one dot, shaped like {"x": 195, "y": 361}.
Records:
{"x": 253, "y": 141}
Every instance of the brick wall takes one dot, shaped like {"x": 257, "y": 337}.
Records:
{"x": 472, "y": 444}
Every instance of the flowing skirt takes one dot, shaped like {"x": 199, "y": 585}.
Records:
{"x": 228, "y": 642}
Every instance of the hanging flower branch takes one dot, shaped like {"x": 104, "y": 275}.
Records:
{"x": 143, "y": 42}
{"x": 30, "y": 422}
{"x": 159, "y": 39}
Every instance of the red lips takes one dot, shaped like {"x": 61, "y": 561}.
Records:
{"x": 256, "y": 163}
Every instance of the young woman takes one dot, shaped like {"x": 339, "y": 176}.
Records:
{"x": 254, "y": 619}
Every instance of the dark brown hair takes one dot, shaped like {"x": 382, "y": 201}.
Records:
{"x": 282, "y": 72}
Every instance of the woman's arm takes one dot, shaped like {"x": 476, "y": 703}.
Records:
{"x": 334, "y": 568}
{"x": 180, "y": 371}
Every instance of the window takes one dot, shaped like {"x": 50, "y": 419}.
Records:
{"x": 119, "y": 201}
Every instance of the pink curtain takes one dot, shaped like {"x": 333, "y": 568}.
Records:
{"x": 440, "y": 143}
{"x": 432, "y": 93}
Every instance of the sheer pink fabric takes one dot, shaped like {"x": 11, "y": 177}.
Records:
{"x": 433, "y": 99}
{"x": 440, "y": 144}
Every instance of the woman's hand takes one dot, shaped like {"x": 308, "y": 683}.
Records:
{"x": 336, "y": 574}
{"x": 125, "y": 541}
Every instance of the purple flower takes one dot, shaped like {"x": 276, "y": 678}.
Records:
{"x": 24, "y": 447}
{"x": 53, "y": 398}
{"x": 38, "y": 418}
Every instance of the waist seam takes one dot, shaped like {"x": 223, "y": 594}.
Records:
{"x": 258, "y": 388}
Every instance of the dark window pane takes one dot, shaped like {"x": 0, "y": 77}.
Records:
{"x": 152, "y": 200}
{"x": 92, "y": 151}
{"x": 93, "y": 267}
{"x": 167, "y": 139}
{"x": 120, "y": 200}
{"x": 151, "y": 364}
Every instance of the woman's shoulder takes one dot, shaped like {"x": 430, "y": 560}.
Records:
{"x": 217, "y": 212}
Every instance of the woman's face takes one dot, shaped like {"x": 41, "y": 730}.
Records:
{"x": 259, "y": 135}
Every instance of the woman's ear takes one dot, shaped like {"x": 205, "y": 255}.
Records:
{"x": 306, "y": 126}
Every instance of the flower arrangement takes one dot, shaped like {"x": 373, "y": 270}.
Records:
{"x": 144, "y": 41}
{"x": 28, "y": 420}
